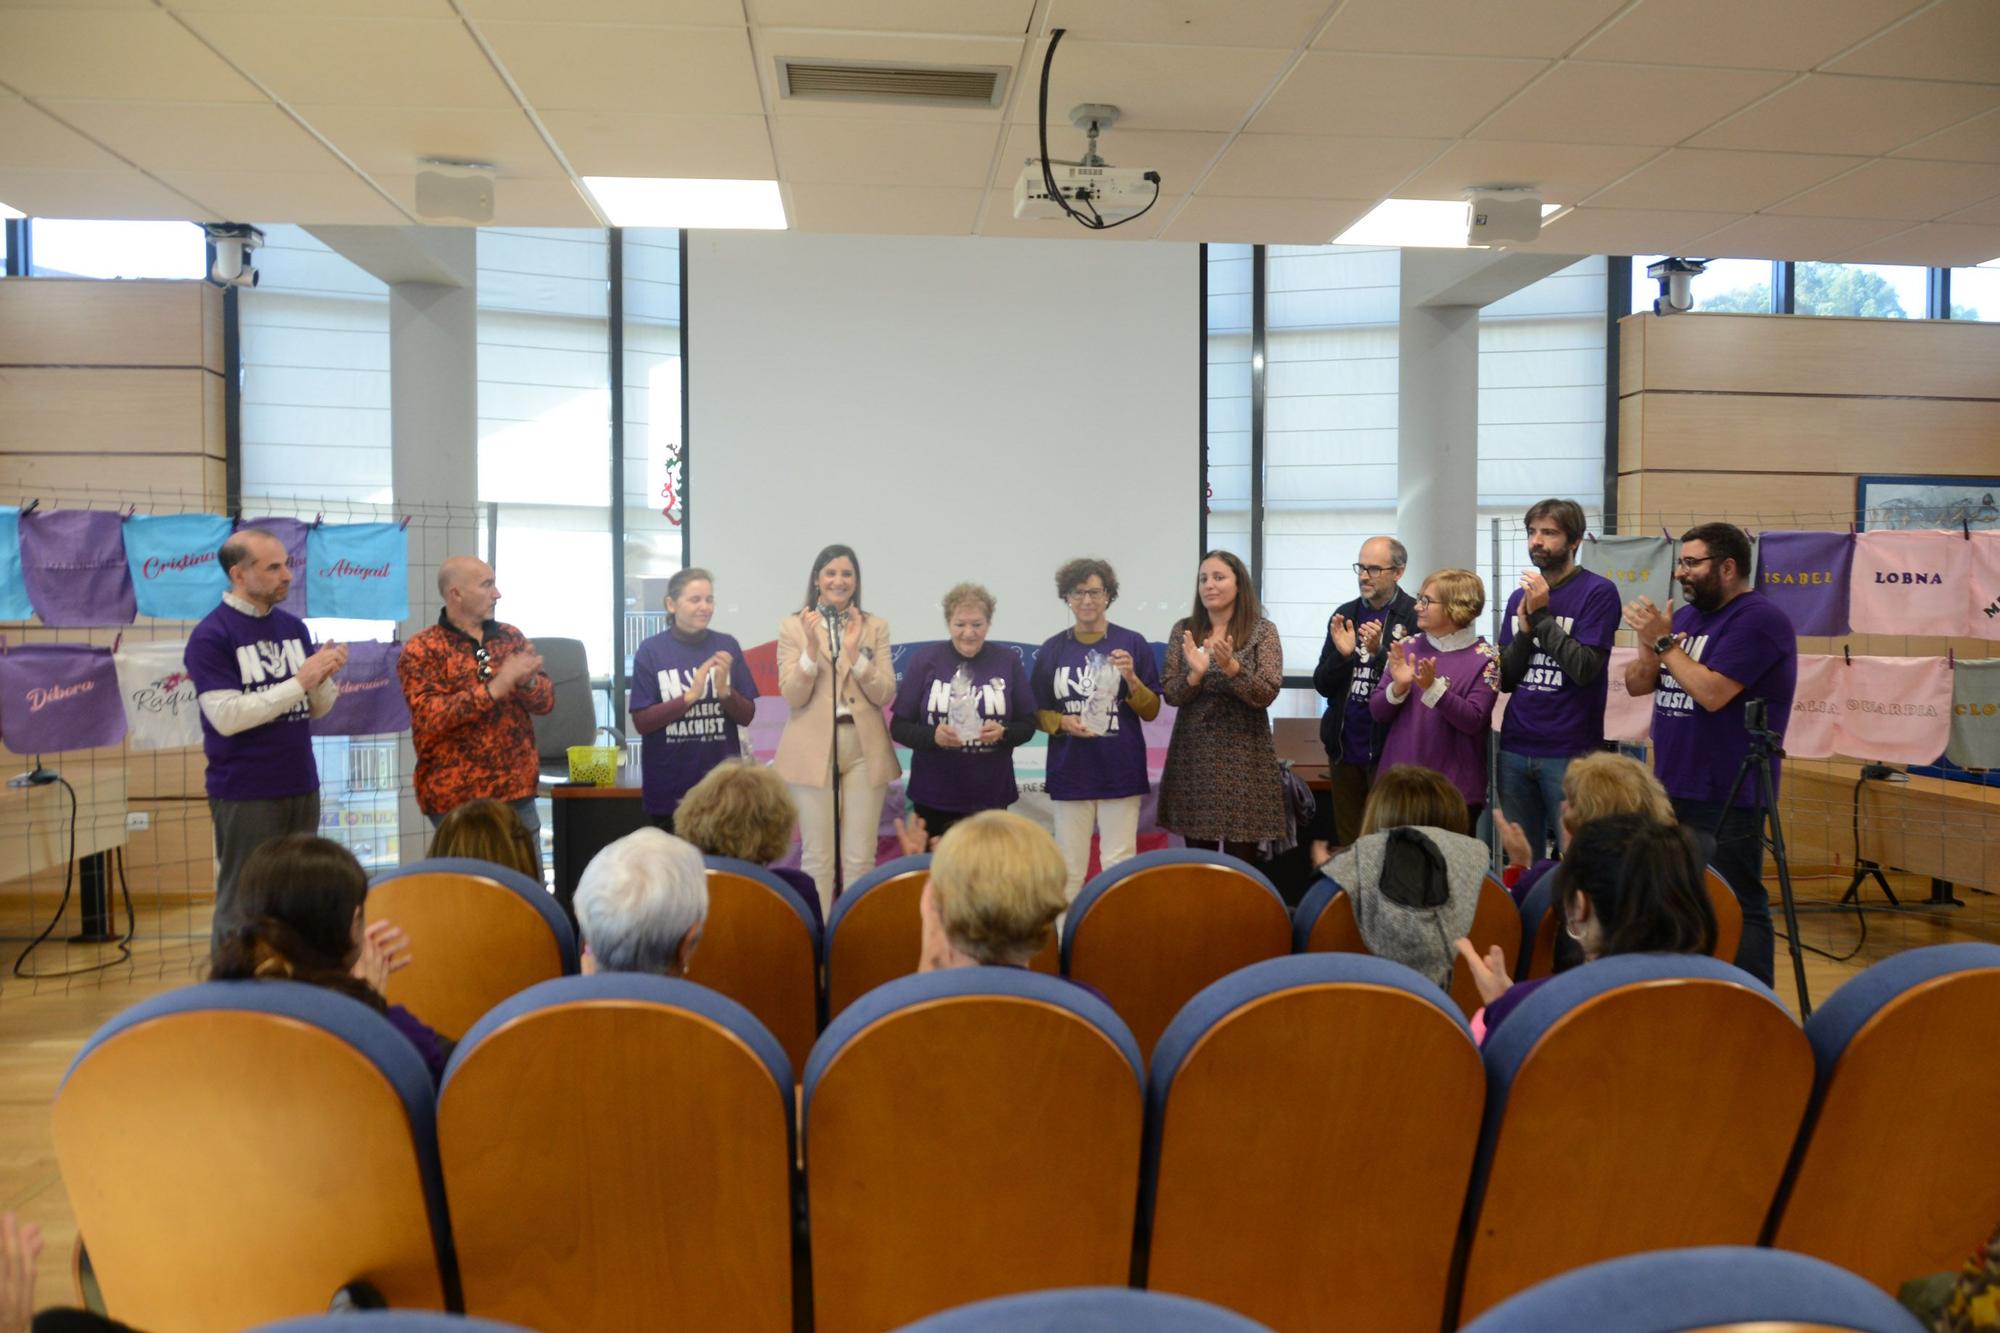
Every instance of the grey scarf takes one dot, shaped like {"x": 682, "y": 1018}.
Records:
{"x": 1419, "y": 938}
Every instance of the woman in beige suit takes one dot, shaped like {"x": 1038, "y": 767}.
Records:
{"x": 836, "y": 716}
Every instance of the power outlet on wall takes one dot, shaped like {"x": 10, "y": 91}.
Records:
{"x": 137, "y": 821}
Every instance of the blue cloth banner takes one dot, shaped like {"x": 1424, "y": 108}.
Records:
{"x": 14, "y": 603}
{"x": 358, "y": 571}
{"x": 172, "y": 558}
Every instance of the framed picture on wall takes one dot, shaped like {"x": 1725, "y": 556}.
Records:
{"x": 1927, "y": 502}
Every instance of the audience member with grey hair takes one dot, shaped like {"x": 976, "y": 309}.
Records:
{"x": 640, "y": 904}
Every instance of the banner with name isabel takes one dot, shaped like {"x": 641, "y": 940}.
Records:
{"x": 59, "y": 696}
{"x": 172, "y": 557}
{"x": 1806, "y": 575}
{"x": 371, "y": 699}
{"x": 1911, "y": 583}
{"x": 358, "y": 571}
{"x": 161, "y": 711}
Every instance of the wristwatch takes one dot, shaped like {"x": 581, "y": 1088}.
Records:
{"x": 1661, "y": 644}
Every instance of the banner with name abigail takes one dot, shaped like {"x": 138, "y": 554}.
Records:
{"x": 161, "y": 711}
{"x": 14, "y": 603}
{"x": 59, "y": 696}
{"x": 1639, "y": 566}
{"x": 73, "y": 562}
{"x": 172, "y": 557}
{"x": 371, "y": 695}
{"x": 358, "y": 571}
{"x": 1911, "y": 583}
{"x": 1806, "y": 575}
{"x": 291, "y": 533}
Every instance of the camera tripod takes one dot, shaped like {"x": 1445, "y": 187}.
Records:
{"x": 1765, "y": 744}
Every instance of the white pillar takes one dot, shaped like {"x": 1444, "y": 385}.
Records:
{"x": 1437, "y": 418}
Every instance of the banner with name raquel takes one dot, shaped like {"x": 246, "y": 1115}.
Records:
{"x": 161, "y": 711}
{"x": 358, "y": 571}
{"x": 59, "y": 696}
{"x": 172, "y": 557}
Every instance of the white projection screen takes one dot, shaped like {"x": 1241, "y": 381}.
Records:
{"x": 953, "y": 408}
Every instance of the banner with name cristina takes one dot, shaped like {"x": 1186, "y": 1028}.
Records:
{"x": 371, "y": 695}
{"x": 59, "y": 696}
{"x": 175, "y": 573}
{"x": 1806, "y": 575}
{"x": 358, "y": 571}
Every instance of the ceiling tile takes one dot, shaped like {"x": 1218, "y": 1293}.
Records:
{"x": 1974, "y": 140}
{"x": 1897, "y": 188}
{"x": 1955, "y": 39}
{"x": 1180, "y": 156}
{"x": 1544, "y": 28}
{"x": 1418, "y": 96}
{"x": 140, "y": 56}
{"x": 1303, "y": 166}
{"x": 605, "y": 143}
{"x": 359, "y": 62}
{"x": 994, "y": 18}
{"x": 672, "y": 70}
{"x": 1771, "y": 34}
{"x": 1562, "y": 172}
{"x": 190, "y": 137}
{"x": 1832, "y": 113}
{"x": 1265, "y": 221}
{"x": 516, "y": 203}
{"x": 30, "y": 137}
{"x": 365, "y": 9}
{"x": 1273, "y": 24}
{"x": 264, "y": 196}
{"x": 885, "y": 210}
{"x": 1625, "y": 231}
{"x": 693, "y": 13}
{"x": 1766, "y": 236}
{"x": 391, "y": 139}
{"x": 818, "y": 151}
{"x": 1936, "y": 245}
{"x": 774, "y": 44}
{"x": 1160, "y": 87}
{"x": 997, "y": 219}
{"x": 1986, "y": 213}
{"x": 94, "y": 194}
{"x": 1708, "y": 178}
{"x": 1635, "y": 104}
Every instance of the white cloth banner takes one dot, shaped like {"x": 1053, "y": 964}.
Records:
{"x": 161, "y": 712}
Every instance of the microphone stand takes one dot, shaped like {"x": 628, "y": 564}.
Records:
{"x": 832, "y": 619}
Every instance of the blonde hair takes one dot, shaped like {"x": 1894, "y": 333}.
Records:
{"x": 740, "y": 809}
{"x": 1600, "y": 785}
{"x": 1410, "y": 795}
{"x": 997, "y": 880}
{"x": 1460, "y": 592}
{"x": 488, "y": 830}
{"x": 968, "y": 594}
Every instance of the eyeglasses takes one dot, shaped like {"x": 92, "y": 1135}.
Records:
{"x": 1087, "y": 594}
{"x": 485, "y": 660}
{"x": 1689, "y": 562}
{"x": 1372, "y": 570}
{"x": 1424, "y": 600}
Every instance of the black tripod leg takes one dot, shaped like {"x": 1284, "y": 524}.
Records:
{"x": 1767, "y": 789}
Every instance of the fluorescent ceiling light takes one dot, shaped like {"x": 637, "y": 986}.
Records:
{"x": 8, "y": 214}
{"x": 1431, "y": 223}
{"x": 660, "y": 201}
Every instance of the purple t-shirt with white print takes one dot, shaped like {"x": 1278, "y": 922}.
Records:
{"x": 1695, "y": 752}
{"x": 1099, "y": 768}
{"x": 976, "y": 777}
{"x": 248, "y": 654}
{"x": 680, "y": 754}
{"x": 1549, "y": 715}
{"x": 1358, "y": 734}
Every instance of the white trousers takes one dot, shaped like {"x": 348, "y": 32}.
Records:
{"x": 860, "y": 820}
{"x": 1117, "y": 825}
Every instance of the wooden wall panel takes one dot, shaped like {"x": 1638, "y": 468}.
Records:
{"x": 1751, "y": 499}
{"x": 87, "y": 322}
{"x": 1789, "y": 354}
{"x": 1632, "y": 353}
{"x": 197, "y": 481}
{"x": 89, "y": 411}
{"x": 1758, "y": 433}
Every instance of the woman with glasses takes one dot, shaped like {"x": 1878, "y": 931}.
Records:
{"x": 691, "y": 696}
{"x": 1095, "y": 683}
{"x": 1220, "y": 788}
{"x": 1438, "y": 689}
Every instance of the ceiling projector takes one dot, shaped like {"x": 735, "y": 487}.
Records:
{"x": 1495, "y": 217}
{"x": 1112, "y": 192}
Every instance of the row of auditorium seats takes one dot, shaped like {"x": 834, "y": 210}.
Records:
{"x": 1315, "y": 1143}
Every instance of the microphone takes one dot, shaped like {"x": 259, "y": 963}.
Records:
{"x": 833, "y": 624}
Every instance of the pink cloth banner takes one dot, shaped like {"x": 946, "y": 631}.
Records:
{"x": 1911, "y": 583}
{"x": 1985, "y": 612}
{"x": 1626, "y": 717}
{"x": 1895, "y": 709}
{"x": 1814, "y": 731}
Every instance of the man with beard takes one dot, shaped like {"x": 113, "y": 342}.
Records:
{"x": 1350, "y": 662}
{"x": 1727, "y": 646}
{"x": 1554, "y": 644}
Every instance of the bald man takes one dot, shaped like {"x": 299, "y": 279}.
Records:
{"x": 472, "y": 684}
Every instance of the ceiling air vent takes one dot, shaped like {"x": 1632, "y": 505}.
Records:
{"x": 883, "y": 81}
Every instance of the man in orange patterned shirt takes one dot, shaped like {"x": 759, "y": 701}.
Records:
{"x": 472, "y": 684}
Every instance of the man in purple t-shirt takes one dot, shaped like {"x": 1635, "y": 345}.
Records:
{"x": 259, "y": 690}
{"x": 1350, "y": 664}
{"x": 1726, "y": 647}
{"x": 1554, "y": 643}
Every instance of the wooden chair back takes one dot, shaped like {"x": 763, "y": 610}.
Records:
{"x": 876, "y": 934}
{"x": 1495, "y": 922}
{"x": 1728, "y": 914}
{"x": 760, "y": 948}
{"x": 474, "y": 941}
{"x": 1329, "y": 924}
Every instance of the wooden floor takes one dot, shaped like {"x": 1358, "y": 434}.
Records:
{"x": 44, "y": 1021}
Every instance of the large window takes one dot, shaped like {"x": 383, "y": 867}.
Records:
{"x": 1877, "y": 291}
{"x": 1975, "y": 292}
{"x": 654, "y": 497}
{"x": 75, "y": 248}
{"x": 1738, "y": 286}
{"x": 1229, "y": 303}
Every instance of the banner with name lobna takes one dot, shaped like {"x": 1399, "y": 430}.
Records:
{"x": 161, "y": 710}
{"x": 59, "y": 696}
{"x": 1911, "y": 583}
{"x": 371, "y": 694}
{"x": 358, "y": 571}
{"x": 1806, "y": 575}
{"x": 175, "y": 573}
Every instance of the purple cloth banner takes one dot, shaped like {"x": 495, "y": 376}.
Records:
{"x": 73, "y": 561}
{"x": 1807, "y": 575}
{"x": 371, "y": 697}
{"x": 292, "y": 533}
{"x": 59, "y": 696}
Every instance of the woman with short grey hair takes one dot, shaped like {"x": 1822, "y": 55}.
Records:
{"x": 640, "y": 904}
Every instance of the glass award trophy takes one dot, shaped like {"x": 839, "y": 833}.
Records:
{"x": 1102, "y": 705}
{"x": 962, "y": 714}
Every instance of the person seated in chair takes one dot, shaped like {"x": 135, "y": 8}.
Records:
{"x": 1628, "y": 884}
{"x": 640, "y": 905}
{"x": 745, "y": 810}
{"x": 1595, "y": 786}
{"x": 299, "y": 918}
{"x": 488, "y": 830}
{"x": 994, "y": 893}
{"x": 1413, "y": 877}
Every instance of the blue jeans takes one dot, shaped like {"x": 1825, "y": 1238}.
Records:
{"x": 1531, "y": 793}
{"x": 524, "y": 810}
{"x": 1736, "y": 836}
